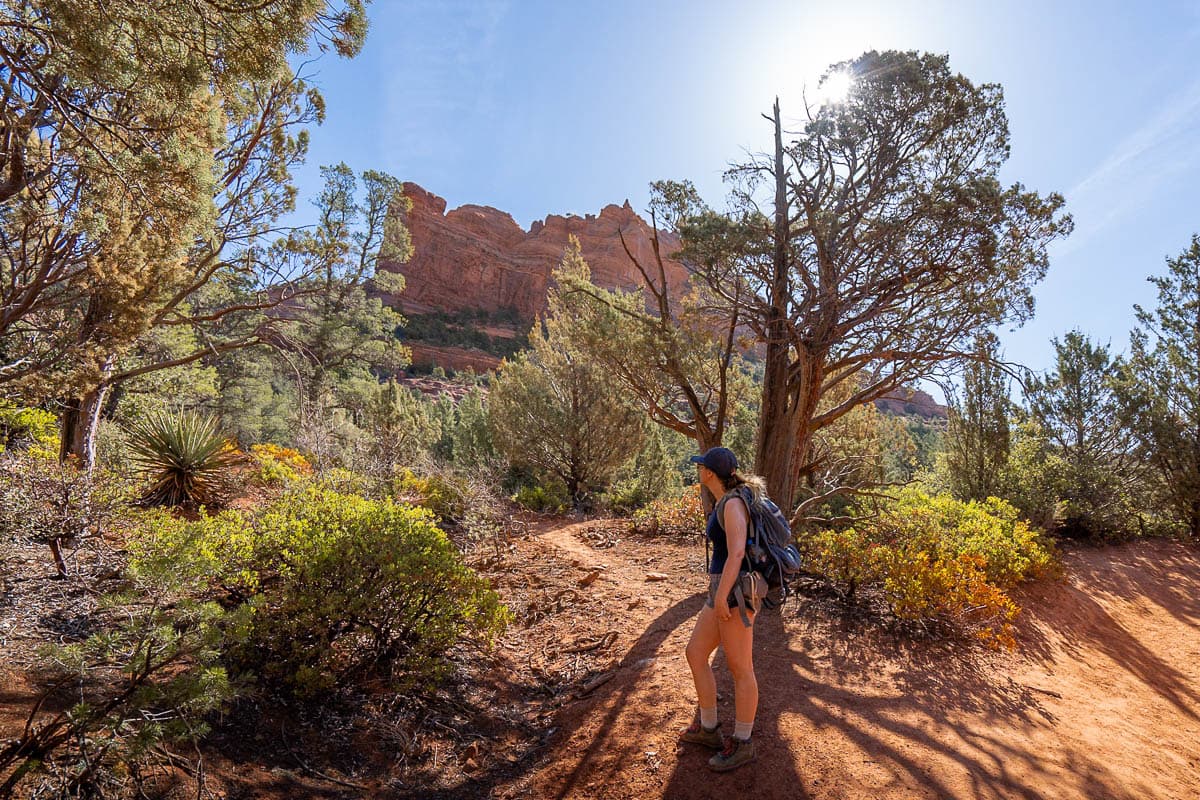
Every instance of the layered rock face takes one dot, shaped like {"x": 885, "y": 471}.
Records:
{"x": 912, "y": 401}
{"x": 477, "y": 257}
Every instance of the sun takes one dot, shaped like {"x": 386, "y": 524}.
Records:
{"x": 833, "y": 88}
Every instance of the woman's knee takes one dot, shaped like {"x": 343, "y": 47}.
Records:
{"x": 696, "y": 653}
{"x": 742, "y": 670}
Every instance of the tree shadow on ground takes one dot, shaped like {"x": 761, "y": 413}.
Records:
{"x": 919, "y": 717}
{"x": 604, "y": 756}
{"x": 1081, "y": 623}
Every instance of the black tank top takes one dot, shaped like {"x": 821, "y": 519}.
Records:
{"x": 715, "y": 531}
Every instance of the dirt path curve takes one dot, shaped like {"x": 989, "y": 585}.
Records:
{"x": 1102, "y": 701}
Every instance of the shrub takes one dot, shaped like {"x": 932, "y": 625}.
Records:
{"x": 55, "y": 503}
{"x": 543, "y": 498}
{"x": 844, "y": 557}
{"x": 135, "y": 695}
{"x": 188, "y": 461}
{"x": 277, "y": 466}
{"x": 1011, "y": 551}
{"x": 342, "y": 589}
{"x": 443, "y": 493}
{"x": 28, "y": 429}
{"x": 678, "y": 515}
{"x": 936, "y": 559}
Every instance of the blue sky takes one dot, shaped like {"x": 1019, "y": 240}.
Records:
{"x": 538, "y": 108}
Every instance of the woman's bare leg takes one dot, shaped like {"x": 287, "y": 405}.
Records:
{"x": 738, "y": 641}
{"x": 705, "y": 638}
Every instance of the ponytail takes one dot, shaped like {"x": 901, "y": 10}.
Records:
{"x": 757, "y": 486}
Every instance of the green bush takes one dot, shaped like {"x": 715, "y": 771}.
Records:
{"x": 936, "y": 559}
{"x": 30, "y": 429}
{"x": 137, "y": 695}
{"x": 343, "y": 590}
{"x": 551, "y": 499}
{"x": 680, "y": 514}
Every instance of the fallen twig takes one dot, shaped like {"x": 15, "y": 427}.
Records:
{"x": 601, "y": 643}
{"x": 595, "y": 683}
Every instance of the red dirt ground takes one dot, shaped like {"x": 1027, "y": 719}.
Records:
{"x": 585, "y": 694}
{"x": 1101, "y": 701}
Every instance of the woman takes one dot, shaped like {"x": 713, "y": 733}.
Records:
{"x": 723, "y": 620}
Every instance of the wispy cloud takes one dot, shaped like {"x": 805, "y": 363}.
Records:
{"x": 442, "y": 69}
{"x": 1162, "y": 149}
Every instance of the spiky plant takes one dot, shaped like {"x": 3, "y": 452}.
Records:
{"x": 187, "y": 459}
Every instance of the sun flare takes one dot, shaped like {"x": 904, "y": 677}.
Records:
{"x": 833, "y": 88}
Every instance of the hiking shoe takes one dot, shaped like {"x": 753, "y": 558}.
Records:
{"x": 736, "y": 753}
{"x": 698, "y": 734}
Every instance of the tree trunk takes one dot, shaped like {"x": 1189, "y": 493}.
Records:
{"x": 776, "y": 426}
{"x": 80, "y": 420}
{"x": 59, "y": 562}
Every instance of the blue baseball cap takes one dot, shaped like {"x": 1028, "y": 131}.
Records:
{"x": 720, "y": 460}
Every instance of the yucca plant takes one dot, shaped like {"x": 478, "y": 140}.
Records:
{"x": 187, "y": 459}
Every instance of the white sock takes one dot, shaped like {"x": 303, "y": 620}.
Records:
{"x": 741, "y": 730}
{"x": 708, "y": 717}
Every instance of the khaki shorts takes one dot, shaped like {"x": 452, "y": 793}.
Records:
{"x": 713, "y": 582}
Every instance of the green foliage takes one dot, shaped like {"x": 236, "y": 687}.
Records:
{"x": 137, "y": 694}
{"x": 1094, "y": 478}
{"x": 188, "y": 461}
{"x": 338, "y": 328}
{"x": 465, "y": 329}
{"x": 29, "y": 429}
{"x": 466, "y": 440}
{"x": 551, "y": 497}
{"x": 652, "y": 472}
{"x": 397, "y": 428}
{"x": 555, "y": 410}
{"x": 936, "y": 559}
{"x": 671, "y": 349}
{"x": 342, "y": 589}
{"x": 1034, "y": 475}
{"x": 978, "y": 437}
{"x": 443, "y": 493}
{"x": 941, "y": 248}
{"x": 1158, "y": 390}
{"x": 680, "y": 514}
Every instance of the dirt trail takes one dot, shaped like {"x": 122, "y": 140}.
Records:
{"x": 1102, "y": 700}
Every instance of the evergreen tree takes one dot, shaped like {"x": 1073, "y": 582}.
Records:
{"x": 1159, "y": 388}
{"x": 553, "y": 409}
{"x": 978, "y": 436}
{"x": 1076, "y": 407}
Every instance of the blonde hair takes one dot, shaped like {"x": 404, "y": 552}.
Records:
{"x": 758, "y": 486}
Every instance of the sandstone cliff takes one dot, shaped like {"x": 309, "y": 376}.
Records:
{"x": 477, "y": 257}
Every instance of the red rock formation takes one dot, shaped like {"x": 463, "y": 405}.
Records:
{"x": 454, "y": 358}
{"x": 912, "y": 401}
{"x": 476, "y": 257}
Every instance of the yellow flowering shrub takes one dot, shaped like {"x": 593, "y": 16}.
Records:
{"x": 934, "y": 558}
{"x": 277, "y": 466}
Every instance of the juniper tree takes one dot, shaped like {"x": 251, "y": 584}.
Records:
{"x": 978, "y": 435}
{"x": 871, "y": 245}
{"x": 1077, "y": 408}
{"x": 1159, "y": 387}
{"x": 147, "y": 150}
{"x": 555, "y": 409}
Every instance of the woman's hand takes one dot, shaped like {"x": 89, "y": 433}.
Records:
{"x": 721, "y": 607}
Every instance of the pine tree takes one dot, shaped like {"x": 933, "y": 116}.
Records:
{"x": 1159, "y": 387}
